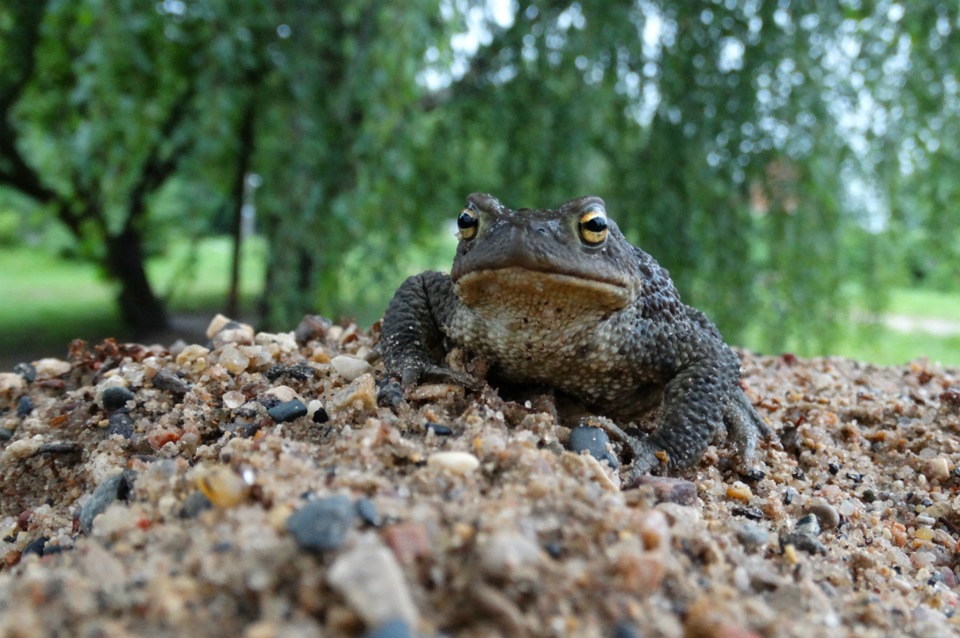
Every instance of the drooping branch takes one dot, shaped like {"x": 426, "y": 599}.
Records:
{"x": 15, "y": 74}
{"x": 161, "y": 163}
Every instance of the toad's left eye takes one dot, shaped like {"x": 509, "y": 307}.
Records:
{"x": 593, "y": 227}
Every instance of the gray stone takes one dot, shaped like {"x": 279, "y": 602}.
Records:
{"x": 322, "y": 525}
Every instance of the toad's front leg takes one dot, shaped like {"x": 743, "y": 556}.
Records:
{"x": 700, "y": 398}
{"x": 412, "y": 332}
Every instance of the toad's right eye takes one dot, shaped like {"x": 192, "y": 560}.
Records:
{"x": 467, "y": 222}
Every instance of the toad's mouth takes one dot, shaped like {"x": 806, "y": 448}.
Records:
{"x": 516, "y": 286}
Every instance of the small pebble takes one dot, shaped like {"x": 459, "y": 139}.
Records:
{"x": 438, "y": 429}
{"x": 120, "y": 423}
{"x": 217, "y": 324}
{"x": 802, "y": 542}
{"x": 5, "y": 435}
{"x": 115, "y": 487}
{"x": 408, "y": 540}
{"x": 27, "y": 371}
{"x": 322, "y": 525}
{"x": 457, "y": 462}
{"x": 194, "y": 504}
{"x": 288, "y": 411}
{"x": 508, "y": 554}
{"x": 224, "y": 487}
{"x": 299, "y": 372}
{"x": 282, "y": 393}
{"x": 233, "y": 332}
{"x": 350, "y": 368}
{"x": 669, "y": 490}
{"x": 808, "y": 525}
{"x": 936, "y": 469}
{"x": 739, "y": 491}
{"x": 361, "y": 393}
{"x": 115, "y": 397}
{"x": 24, "y": 407}
{"x": 594, "y": 440}
{"x": 368, "y": 512}
{"x": 312, "y": 327}
{"x": 626, "y": 629}
{"x": 247, "y": 429}
{"x": 435, "y": 392}
{"x": 60, "y": 447}
{"x": 233, "y": 359}
{"x": 320, "y": 416}
{"x": 371, "y": 581}
{"x": 396, "y": 628}
{"x": 923, "y": 519}
{"x": 752, "y": 536}
{"x": 35, "y": 547}
{"x": 169, "y": 382}
{"x": 12, "y": 384}
{"x": 233, "y": 399}
{"x": 826, "y": 514}
{"x": 804, "y": 536}
{"x": 50, "y": 368}
{"x": 753, "y": 513}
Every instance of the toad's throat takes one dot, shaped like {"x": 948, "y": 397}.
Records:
{"x": 517, "y": 288}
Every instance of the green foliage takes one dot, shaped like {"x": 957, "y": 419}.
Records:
{"x": 787, "y": 162}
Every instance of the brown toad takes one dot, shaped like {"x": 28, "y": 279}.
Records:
{"x": 560, "y": 298}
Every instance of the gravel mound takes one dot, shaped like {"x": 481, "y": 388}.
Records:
{"x": 254, "y": 487}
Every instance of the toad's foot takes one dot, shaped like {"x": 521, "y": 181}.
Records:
{"x": 646, "y": 455}
{"x": 412, "y": 371}
{"x": 746, "y": 428}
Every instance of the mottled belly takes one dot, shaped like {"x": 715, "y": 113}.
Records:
{"x": 584, "y": 359}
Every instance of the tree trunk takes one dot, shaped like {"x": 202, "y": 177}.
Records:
{"x": 244, "y": 156}
{"x": 140, "y": 308}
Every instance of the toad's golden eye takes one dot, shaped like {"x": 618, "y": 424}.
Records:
{"x": 468, "y": 222}
{"x": 593, "y": 227}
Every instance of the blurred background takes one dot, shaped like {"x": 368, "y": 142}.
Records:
{"x": 795, "y": 165}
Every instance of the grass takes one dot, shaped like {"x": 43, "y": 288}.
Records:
{"x": 918, "y": 302}
{"x": 878, "y": 344}
{"x": 49, "y": 300}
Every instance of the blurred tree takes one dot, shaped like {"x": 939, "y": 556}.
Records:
{"x": 101, "y": 107}
{"x": 770, "y": 154}
{"x": 94, "y": 112}
{"x": 345, "y": 133}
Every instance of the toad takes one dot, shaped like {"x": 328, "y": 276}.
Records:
{"x": 559, "y": 298}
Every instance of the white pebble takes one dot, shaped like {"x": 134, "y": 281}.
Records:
{"x": 193, "y": 358}
{"x": 459, "y": 462}
{"x": 348, "y": 367}
{"x": 233, "y": 399}
{"x": 233, "y": 360}
{"x": 10, "y": 383}
{"x": 937, "y": 468}
{"x": 51, "y": 368}
{"x": 283, "y": 393}
{"x": 312, "y": 408}
{"x": 372, "y": 583}
{"x": 508, "y": 554}
{"x": 217, "y": 324}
